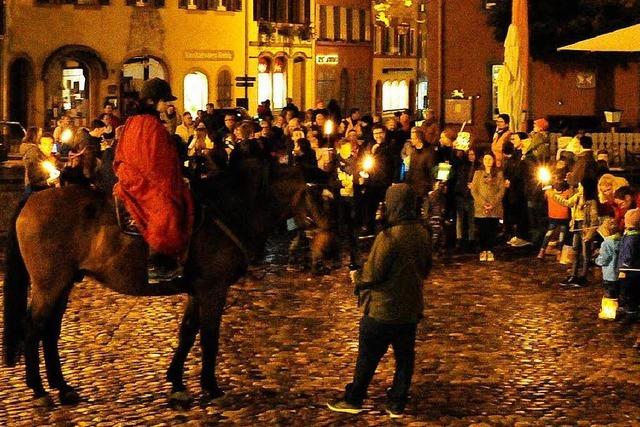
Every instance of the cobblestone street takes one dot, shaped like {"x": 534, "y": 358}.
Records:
{"x": 502, "y": 344}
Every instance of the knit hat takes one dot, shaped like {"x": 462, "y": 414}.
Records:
{"x": 632, "y": 218}
{"x": 543, "y": 124}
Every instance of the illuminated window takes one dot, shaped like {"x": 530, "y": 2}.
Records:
{"x": 423, "y": 88}
{"x": 73, "y": 82}
{"x": 395, "y": 95}
{"x": 272, "y": 81}
{"x": 196, "y": 90}
{"x": 495, "y": 72}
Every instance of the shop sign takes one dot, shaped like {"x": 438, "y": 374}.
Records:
{"x": 327, "y": 59}
{"x": 209, "y": 55}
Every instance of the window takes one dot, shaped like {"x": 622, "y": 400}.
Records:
{"x": 2, "y": 15}
{"x": 363, "y": 24}
{"x": 225, "y": 87}
{"x": 272, "y": 80}
{"x": 423, "y": 88}
{"x": 196, "y": 91}
{"x": 76, "y": 2}
{"x": 73, "y": 82}
{"x": 386, "y": 40}
{"x": 220, "y": 5}
{"x": 336, "y": 23}
{"x": 285, "y": 11}
{"x": 495, "y": 73}
{"x": 350, "y": 37}
{"x": 395, "y": 95}
{"x": 323, "y": 22}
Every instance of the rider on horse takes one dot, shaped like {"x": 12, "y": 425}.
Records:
{"x": 151, "y": 185}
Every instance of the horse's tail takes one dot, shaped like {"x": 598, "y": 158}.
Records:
{"x": 15, "y": 293}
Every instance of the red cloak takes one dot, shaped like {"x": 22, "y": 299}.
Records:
{"x": 151, "y": 185}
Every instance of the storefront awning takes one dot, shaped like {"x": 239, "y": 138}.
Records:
{"x": 623, "y": 40}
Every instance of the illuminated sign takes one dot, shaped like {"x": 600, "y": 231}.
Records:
{"x": 209, "y": 55}
{"x": 327, "y": 59}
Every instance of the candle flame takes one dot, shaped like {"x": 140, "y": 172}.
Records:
{"x": 328, "y": 127}
{"x": 367, "y": 163}
{"x": 544, "y": 175}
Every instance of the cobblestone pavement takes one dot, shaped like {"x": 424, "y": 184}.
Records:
{"x": 502, "y": 344}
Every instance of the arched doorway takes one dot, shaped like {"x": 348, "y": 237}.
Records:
{"x": 135, "y": 71}
{"x": 225, "y": 88}
{"x": 20, "y": 89}
{"x": 196, "y": 92}
{"x": 72, "y": 76}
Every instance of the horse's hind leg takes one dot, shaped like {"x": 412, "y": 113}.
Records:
{"x": 210, "y": 318}
{"x": 188, "y": 331}
{"x": 67, "y": 394}
{"x": 38, "y": 314}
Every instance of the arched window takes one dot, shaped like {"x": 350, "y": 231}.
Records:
{"x": 224, "y": 88}
{"x": 272, "y": 80}
{"x": 395, "y": 95}
{"x": 387, "y": 96}
{"x": 403, "y": 95}
{"x": 196, "y": 92}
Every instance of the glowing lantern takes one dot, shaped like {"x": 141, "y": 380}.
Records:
{"x": 608, "y": 309}
{"x": 328, "y": 127}
{"x": 66, "y": 136}
{"x": 51, "y": 169}
{"x": 544, "y": 175}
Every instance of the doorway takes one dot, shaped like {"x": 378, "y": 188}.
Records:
{"x": 20, "y": 87}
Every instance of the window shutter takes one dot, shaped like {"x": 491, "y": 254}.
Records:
{"x": 183, "y": 4}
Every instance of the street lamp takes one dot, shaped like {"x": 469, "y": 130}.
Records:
{"x": 613, "y": 116}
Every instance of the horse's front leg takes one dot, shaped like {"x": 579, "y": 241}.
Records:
{"x": 67, "y": 394}
{"x": 188, "y": 331}
{"x": 210, "y": 318}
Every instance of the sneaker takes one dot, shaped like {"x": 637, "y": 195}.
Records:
{"x": 519, "y": 243}
{"x": 344, "y": 407}
{"x": 490, "y": 256}
{"x": 580, "y": 282}
{"x": 393, "y": 410}
{"x": 483, "y": 256}
{"x": 569, "y": 281}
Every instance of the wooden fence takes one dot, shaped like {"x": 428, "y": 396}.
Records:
{"x": 623, "y": 148}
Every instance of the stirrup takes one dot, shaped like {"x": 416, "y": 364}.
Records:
{"x": 126, "y": 224}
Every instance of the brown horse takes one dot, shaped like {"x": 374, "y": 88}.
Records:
{"x": 63, "y": 234}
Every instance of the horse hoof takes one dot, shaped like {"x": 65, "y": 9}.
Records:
{"x": 212, "y": 394}
{"x": 180, "y": 400}
{"x": 43, "y": 401}
{"x": 69, "y": 396}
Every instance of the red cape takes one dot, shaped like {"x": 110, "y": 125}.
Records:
{"x": 151, "y": 185}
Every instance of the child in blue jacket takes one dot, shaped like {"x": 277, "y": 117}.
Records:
{"x": 629, "y": 265}
{"x": 608, "y": 258}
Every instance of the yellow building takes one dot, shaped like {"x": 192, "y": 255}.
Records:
{"x": 73, "y": 55}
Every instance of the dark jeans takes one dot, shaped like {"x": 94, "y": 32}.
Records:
{"x": 348, "y": 218}
{"x": 582, "y": 252}
{"x": 611, "y": 289}
{"x": 630, "y": 292}
{"x": 487, "y": 230}
{"x": 374, "y": 340}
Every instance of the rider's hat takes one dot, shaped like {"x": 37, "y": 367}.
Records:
{"x": 156, "y": 89}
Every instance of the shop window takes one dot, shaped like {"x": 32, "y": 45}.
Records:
{"x": 196, "y": 92}
{"x": 219, "y": 5}
{"x": 395, "y": 95}
{"x": 224, "y": 88}
{"x": 73, "y": 83}
{"x": 495, "y": 72}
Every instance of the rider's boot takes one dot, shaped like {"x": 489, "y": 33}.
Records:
{"x": 163, "y": 268}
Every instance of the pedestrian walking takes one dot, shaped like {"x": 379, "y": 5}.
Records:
{"x": 390, "y": 294}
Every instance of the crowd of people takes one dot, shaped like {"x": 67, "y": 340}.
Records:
{"x": 472, "y": 195}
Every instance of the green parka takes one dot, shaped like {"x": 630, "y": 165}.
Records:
{"x": 390, "y": 282}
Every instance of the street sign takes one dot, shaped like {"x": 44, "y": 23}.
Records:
{"x": 244, "y": 84}
{"x": 245, "y": 79}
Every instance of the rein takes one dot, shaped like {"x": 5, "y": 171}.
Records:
{"x": 226, "y": 230}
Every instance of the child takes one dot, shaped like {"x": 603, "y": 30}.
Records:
{"x": 558, "y": 214}
{"x": 608, "y": 258}
{"x": 584, "y": 221}
{"x": 629, "y": 265}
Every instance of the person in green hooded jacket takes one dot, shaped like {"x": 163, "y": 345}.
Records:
{"x": 389, "y": 287}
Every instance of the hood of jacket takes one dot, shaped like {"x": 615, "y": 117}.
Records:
{"x": 400, "y": 203}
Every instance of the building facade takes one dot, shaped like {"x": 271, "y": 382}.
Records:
{"x": 71, "y": 56}
{"x": 465, "y": 57}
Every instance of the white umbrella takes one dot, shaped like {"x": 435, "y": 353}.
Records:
{"x": 622, "y": 40}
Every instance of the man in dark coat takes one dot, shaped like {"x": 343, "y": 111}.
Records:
{"x": 390, "y": 294}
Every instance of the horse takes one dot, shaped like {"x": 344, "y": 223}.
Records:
{"x": 63, "y": 234}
